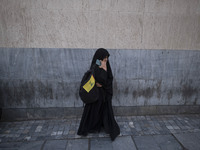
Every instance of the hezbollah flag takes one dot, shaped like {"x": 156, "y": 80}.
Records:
{"x": 90, "y": 84}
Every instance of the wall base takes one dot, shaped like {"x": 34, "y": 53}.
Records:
{"x": 13, "y": 114}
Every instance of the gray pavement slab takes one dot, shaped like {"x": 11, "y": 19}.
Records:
{"x": 167, "y": 142}
{"x": 120, "y": 143}
{"x": 72, "y": 144}
{"x": 190, "y": 141}
{"x": 55, "y": 145}
{"x": 77, "y": 144}
{"x": 100, "y": 143}
{"x": 197, "y": 135}
{"x": 125, "y": 143}
{"x": 157, "y": 142}
{"x": 35, "y": 145}
{"x": 146, "y": 143}
{"x": 10, "y": 146}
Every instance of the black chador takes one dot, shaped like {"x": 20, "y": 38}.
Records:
{"x": 99, "y": 115}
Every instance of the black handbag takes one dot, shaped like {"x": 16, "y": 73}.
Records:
{"x": 89, "y": 92}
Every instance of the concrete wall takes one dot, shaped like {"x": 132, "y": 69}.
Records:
{"x": 44, "y": 83}
{"x": 47, "y": 45}
{"x": 116, "y": 24}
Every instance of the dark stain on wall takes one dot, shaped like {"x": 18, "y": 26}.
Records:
{"x": 55, "y": 90}
{"x": 158, "y": 89}
{"x": 23, "y": 93}
{"x": 3, "y": 89}
{"x": 195, "y": 101}
{"x": 67, "y": 90}
{"x": 77, "y": 93}
{"x": 44, "y": 90}
{"x": 18, "y": 93}
{"x": 188, "y": 92}
{"x": 126, "y": 91}
{"x": 169, "y": 94}
{"x": 148, "y": 92}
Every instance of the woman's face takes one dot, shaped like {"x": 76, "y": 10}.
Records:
{"x": 105, "y": 59}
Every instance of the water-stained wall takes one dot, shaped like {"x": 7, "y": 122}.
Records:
{"x": 47, "y": 45}
{"x": 50, "y": 78}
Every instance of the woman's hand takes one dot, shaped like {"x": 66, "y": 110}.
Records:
{"x": 103, "y": 64}
{"x": 98, "y": 85}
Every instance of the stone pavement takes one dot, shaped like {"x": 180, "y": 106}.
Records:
{"x": 164, "y": 132}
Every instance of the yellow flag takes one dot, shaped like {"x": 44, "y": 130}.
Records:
{"x": 90, "y": 84}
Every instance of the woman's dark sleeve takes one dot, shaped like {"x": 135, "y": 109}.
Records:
{"x": 100, "y": 75}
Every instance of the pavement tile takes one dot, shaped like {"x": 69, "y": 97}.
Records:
{"x": 125, "y": 142}
{"x": 178, "y": 123}
{"x": 133, "y": 118}
{"x": 56, "y": 128}
{"x": 59, "y": 132}
{"x": 140, "y": 118}
{"x": 146, "y": 143}
{"x": 153, "y": 118}
{"x": 129, "y": 118}
{"x": 195, "y": 123}
{"x": 167, "y": 142}
{"x": 39, "y": 138}
{"x": 10, "y": 145}
{"x": 125, "y": 129}
{"x": 190, "y": 141}
{"x": 55, "y": 145}
{"x": 65, "y": 132}
{"x": 33, "y": 138}
{"x": 77, "y": 144}
{"x": 170, "y": 127}
{"x": 138, "y": 127}
{"x": 100, "y": 143}
{"x": 61, "y": 127}
{"x": 27, "y": 138}
{"x": 148, "y": 118}
{"x": 70, "y": 136}
{"x": 176, "y": 127}
{"x": 131, "y": 125}
{"x": 120, "y": 143}
{"x": 36, "y": 145}
{"x": 197, "y": 135}
{"x": 93, "y": 135}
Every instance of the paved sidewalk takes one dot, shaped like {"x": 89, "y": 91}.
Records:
{"x": 165, "y": 132}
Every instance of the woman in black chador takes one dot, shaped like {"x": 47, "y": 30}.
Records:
{"x": 99, "y": 114}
